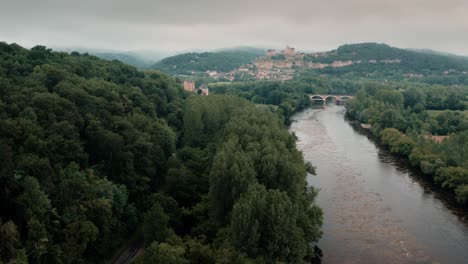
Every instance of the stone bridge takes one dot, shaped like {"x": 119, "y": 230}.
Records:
{"x": 324, "y": 97}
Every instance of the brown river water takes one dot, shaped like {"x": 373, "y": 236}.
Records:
{"x": 375, "y": 209}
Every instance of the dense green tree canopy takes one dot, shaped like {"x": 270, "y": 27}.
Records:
{"x": 93, "y": 151}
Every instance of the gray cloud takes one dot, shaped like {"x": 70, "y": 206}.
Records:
{"x": 174, "y": 25}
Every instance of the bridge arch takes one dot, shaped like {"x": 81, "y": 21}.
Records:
{"x": 317, "y": 97}
{"x": 331, "y": 96}
{"x": 340, "y": 99}
{"x": 345, "y": 97}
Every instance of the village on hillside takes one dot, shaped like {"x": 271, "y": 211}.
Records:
{"x": 276, "y": 65}
{"x": 282, "y": 65}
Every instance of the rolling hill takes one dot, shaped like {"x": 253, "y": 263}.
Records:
{"x": 222, "y": 61}
{"x": 372, "y": 57}
{"x": 128, "y": 58}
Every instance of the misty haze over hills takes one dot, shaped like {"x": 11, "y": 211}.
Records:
{"x": 144, "y": 59}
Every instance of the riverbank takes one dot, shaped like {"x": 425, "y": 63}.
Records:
{"x": 404, "y": 164}
{"x": 405, "y": 157}
{"x": 375, "y": 209}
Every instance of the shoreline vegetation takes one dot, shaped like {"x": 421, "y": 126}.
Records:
{"x": 406, "y": 130}
{"x": 404, "y": 161}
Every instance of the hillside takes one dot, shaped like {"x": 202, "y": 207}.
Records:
{"x": 141, "y": 59}
{"x": 365, "y": 60}
{"x": 383, "y": 54}
{"x": 221, "y": 61}
{"x": 94, "y": 151}
{"x": 127, "y": 58}
{"x": 82, "y": 140}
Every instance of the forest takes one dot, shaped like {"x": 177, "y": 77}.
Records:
{"x": 222, "y": 61}
{"x": 405, "y": 121}
{"x": 94, "y": 150}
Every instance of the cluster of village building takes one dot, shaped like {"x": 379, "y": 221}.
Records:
{"x": 190, "y": 87}
{"x": 276, "y": 65}
{"x": 282, "y": 65}
{"x": 266, "y": 67}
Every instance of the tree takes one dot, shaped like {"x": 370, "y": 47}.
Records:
{"x": 394, "y": 98}
{"x": 461, "y": 193}
{"x": 231, "y": 174}
{"x": 78, "y": 235}
{"x": 163, "y": 253}
{"x": 10, "y": 244}
{"x": 451, "y": 177}
{"x": 33, "y": 199}
{"x": 414, "y": 96}
{"x": 263, "y": 223}
{"x": 156, "y": 225}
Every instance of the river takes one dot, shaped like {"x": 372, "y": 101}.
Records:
{"x": 375, "y": 209}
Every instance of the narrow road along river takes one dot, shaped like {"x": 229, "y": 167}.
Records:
{"x": 375, "y": 210}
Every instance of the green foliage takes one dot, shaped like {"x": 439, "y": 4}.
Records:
{"x": 278, "y": 57}
{"x": 222, "y": 61}
{"x": 414, "y": 96}
{"x": 451, "y": 177}
{"x": 163, "y": 253}
{"x": 197, "y": 251}
{"x": 382, "y": 62}
{"x": 289, "y": 97}
{"x": 398, "y": 142}
{"x": 448, "y": 122}
{"x": 92, "y": 148}
{"x": 155, "y": 225}
{"x": 462, "y": 194}
{"x": 264, "y": 223}
{"x": 405, "y": 130}
{"x": 231, "y": 174}
{"x": 255, "y": 149}
{"x": 10, "y": 244}
{"x": 33, "y": 199}
{"x": 310, "y": 168}
{"x": 82, "y": 141}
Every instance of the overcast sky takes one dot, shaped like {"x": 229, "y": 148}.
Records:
{"x": 176, "y": 25}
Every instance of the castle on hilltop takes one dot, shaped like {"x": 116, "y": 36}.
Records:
{"x": 288, "y": 51}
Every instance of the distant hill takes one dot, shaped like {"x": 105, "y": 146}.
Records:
{"x": 363, "y": 60}
{"x": 436, "y": 52}
{"x": 134, "y": 60}
{"x": 252, "y": 50}
{"x": 381, "y": 57}
{"x": 221, "y": 61}
{"x": 141, "y": 59}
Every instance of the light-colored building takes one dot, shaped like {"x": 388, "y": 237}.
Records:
{"x": 271, "y": 52}
{"x": 189, "y": 86}
{"x": 204, "y": 89}
{"x": 289, "y": 51}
